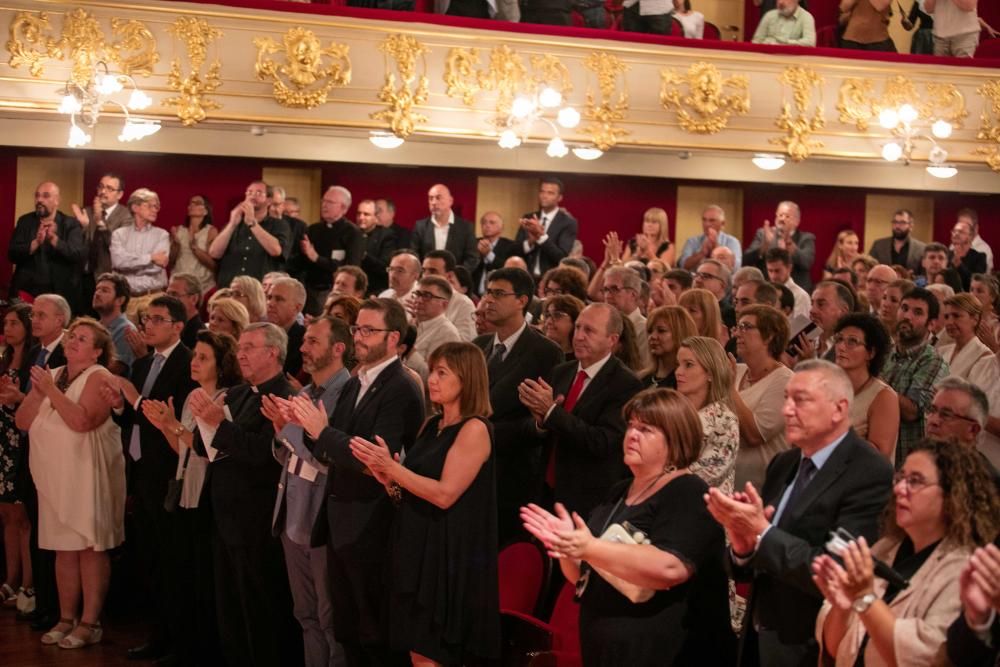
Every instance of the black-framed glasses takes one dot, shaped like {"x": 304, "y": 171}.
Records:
{"x": 365, "y": 331}
{"x": 498, "y": 293}
{"x": 556, "y": 315}
{"x": 421, "y": 294}
{"x": 947, "y": 414}
{"x": 915, "y": 483}
{"x": 155, "y": 320}
{"x": 744, "y": 327}
{"x": 707, "y": 276}
{"x": 554, "y": 291}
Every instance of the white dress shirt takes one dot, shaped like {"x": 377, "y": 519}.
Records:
{"x": 131, "y": 251}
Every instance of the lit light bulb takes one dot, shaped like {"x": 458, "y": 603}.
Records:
{"x": 70, "y": 105}
{"x": 550, "y": 98}
{"x": 386, "y": 140}
{"x": 556, "y": 148}
{"x": 509, "y": 139}
{"x": 139, "y": 100}
{"x": 892, "y": 151}
{"x": 768, "y": 162}
{"x": 107, "y": 84}
{"x": 907, "y": 113}
{"x": 888, "y": 118}
{"x": 941, "y": 170}
{"x": 135, "y": 129}
{"x": 941, "y": 129}
{"x": 937, "y": 155}
{"x": 77, "y": 137}
{"x": 568, "y": 117}
{"x": 522, "y": 107}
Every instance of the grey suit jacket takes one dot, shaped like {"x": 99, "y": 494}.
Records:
{"x": 882, "y": 251}
{"x": 97, "y": 239}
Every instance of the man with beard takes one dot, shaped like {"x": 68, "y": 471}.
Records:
{"x": 111, "y": 295}
{"x": 379, "y": 246}
{"x": 900, "y": 248}
{"x": 97, "y": 223}
{"x": 252, "y": 243}
{"x": 301, "y": 488}
{"x": 913, "y": 367}
{"x": 47, "y": 248}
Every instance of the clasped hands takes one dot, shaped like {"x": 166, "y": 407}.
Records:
{"x": 840, "y": 584}
{"x": 742, "y": 514}
{"x": 564, "y": 535}
{"x": 537, "y": 396}
{"x": 532, "y": 227}
{"x": 300, "y": 410}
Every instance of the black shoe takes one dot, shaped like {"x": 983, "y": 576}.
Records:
{"x": 32, "y": 616}
{"x": 147, "y": 651}
{"x": 44, "y": 622}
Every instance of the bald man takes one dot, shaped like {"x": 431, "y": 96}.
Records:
{"x": 443, "y": 230}
{"x": 47, "y": 247}
{"x": 493, "y": 249}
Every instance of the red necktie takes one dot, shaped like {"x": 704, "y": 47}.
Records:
{"x": 571, "y": 398}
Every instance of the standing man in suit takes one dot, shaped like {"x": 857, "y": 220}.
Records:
{"x": 830, "y": 479}
{"x": 301, "y": 490}
{"x": 251, "y": 586}
{"x": 546, "y": 235}
{"x": 98, "y": 222}
{"x": 284, "y": 305}
{"x": 385, "y": 215}
{"x": 900, "y": 248}
{"x": 579, "y": 408}
{"x": 165, "y": 374}
{"x": 47, "y": 247}
{"x": 379, "y": 246}
{"x": 332, "y": 242}
{"x": 514, "y": 353}
{"x": 493, "y": 249}
{"x": 383, "y": 403}
{"x": 443, "y": 230}
{"x": 785, "y": 233}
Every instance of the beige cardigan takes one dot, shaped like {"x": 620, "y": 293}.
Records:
{"x": 923, "y": 611}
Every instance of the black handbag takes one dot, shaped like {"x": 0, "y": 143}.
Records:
{"x": 174, "y": 487}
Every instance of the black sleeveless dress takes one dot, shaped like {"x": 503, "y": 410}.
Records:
{"x": 444, "y": 597}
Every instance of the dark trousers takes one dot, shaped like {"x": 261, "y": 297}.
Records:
{"x": 154, "y": 543}
{"x": 476, "y": 9}
{"x": 43, "y": 563}
{"x": 763, "y": 648}
{"x": 191, "y": 590}
{"x": 655, "y": 24}
{"x": 546, "y": 13}
{"x": 887, "y": 46}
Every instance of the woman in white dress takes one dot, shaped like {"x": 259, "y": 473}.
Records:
{"x": 189, "y": 243}
{"x": 693, "y": 22}
{"x": 967, "y": 357}
{"x": 758, "y": 393}
{"x": 78, "y": 467}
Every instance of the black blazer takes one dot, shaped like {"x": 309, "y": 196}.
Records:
{"x": 501, "y": 251}
{"x": 562, "y": 234}
{"x": 850, "y": 491}
{"x": 159, "y": 462}
{"x": 293, "y": 352}
{"x": 65, "y": 260}
{"x": 588, "y": 440}
{"x": 518, "y": 443}
{"x": 380, "y": 244}
{"x": 973, "y": 262}
{"x": 242, "y": 482}
{"x": 401, "y": 236}
{"x": 461, "y": 241}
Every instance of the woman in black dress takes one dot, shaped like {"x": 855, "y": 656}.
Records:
{"x": 676, "y": 568}
{"x": 444, "y": 599}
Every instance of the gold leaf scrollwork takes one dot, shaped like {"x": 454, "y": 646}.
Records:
{"x": 605, "y": 109}
{"x": 700, "y": 97}
{"x": 989, "y": 124}
{"x": 83, "y": 42}
{"x": 461, "y": 79}
{"x": 858, "y": 105}
{"x": 193, "y": 88}
{"x": 800, "y": 123}
{"x": 411, "y": 89}
{"x": 310, "y": 79}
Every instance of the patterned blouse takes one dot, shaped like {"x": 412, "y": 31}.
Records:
{"x": 717, "y": 463}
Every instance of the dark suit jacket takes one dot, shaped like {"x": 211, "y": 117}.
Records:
{"x": 401, "y": 236}
{"x": 296, "y": 264}
{"x": 159, "y": 462}
{"x": 97, "y": 242}
{"x": 503, "y": 249}
{"x": 56, "y": 359}
{"x": 588, "y": 440}
{"x": 802, "y": 261}
{"x": 973, "y": 262}
{"x": 518, "y": 443}
{"x": 850, "y": 491}
{"x": 242, "y": 485}
{"x": 562, "y": 234}
{"x": 461, "y": 241}
{"x": 967, "y": 649}
{"x": 293, "y": 353}
{"x": 882, "y": 251}
{"x": 380, "y": 243}
{"x": 189, "y": 335}
{"x": 63, "y": 262}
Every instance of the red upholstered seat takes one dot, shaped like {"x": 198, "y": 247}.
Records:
{"x": 523, "y": 569}
{"x": 711, "y": 31}
{"x": 989, "y": 48}
{"x": 530, "y": 641}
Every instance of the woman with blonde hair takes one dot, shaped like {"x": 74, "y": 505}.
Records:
{"x": 227, "y": 316}
{"x": 967, "y": 356}
{"x": 704, "y": 310}
{"x": 844, "y": 253}
{"x": 986, "y": 288}
{"x": 653, "y": 242}
{"x": 443, "y": 604}
{"x": 250, "y": 292}
{"x": 666, "y": 327}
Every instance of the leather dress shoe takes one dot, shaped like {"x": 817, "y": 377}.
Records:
{"x": 44, "y": 622}
{"x": 147, "y": 651}
{"x": 169, "y": 660}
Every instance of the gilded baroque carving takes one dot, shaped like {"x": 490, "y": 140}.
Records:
{"x": 700, "y": 97}
{"x": 31, "y": 42}
{"x": 799, "y": 124}
{"x": 411, "y": 89}
{"x": 989, "y": 123}
{"x": 194, "y": 87}
{"x": 606, "y": 108}
{"x": 309, "y": 78}
{"x": 858, "y": 105}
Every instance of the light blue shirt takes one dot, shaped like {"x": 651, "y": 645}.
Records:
{"x": 694, "y": 243}
{"x": 818, "y": 459}
{"x": 118, "y": 327}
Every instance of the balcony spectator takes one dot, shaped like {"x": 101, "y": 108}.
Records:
{"x": 866, "y": 25}
{"x": 693, "y": 22}
{"x": 788, "y": 24}
{"x": 956, "y": 27}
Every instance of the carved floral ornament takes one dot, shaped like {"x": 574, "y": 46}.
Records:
{"x": 804, "y": 115}
{"x": 32, "y": 42}
{"x": 700, "y": 98}
{"x": 858, "y": 105}
{"x": 610, "y": 103}
{"x": 305, "y": 78}
{"x": 403, "y": 89}
{"x": 989, "y": 124}
{"x": 194, "y": 87}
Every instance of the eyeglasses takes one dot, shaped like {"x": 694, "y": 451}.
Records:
{"x": 554, "y": 291}
{"x": 178, "y": 295}
{"x": 850, "y": 342}
{"x": 364, "y": 331}
{"x": 556, "y": 315}
{"x": 613, "y": 289}
{"x": 151, "y": 204}
{"x": 498, "y": 294}
{"x": 707, "y": 276}
{"x": 744, "y": 327}
{"x": 947, "y": 414}
{"x": 154, "y": 320}
{"x": 420, "y": 294}
{"x": 109, "y": 188}
{"x": 914, "y": 483}
{"x": 878, "y": 281}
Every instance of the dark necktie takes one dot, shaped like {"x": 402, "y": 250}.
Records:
{"x": 807, "y": 470}
{"x": 496, "y": 358}
{"x": 134, "y": 448}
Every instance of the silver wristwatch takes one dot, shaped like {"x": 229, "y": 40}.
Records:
{"x": 862, "y": 603}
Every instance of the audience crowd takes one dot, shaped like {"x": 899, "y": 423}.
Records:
{"x": 310, "y": 442}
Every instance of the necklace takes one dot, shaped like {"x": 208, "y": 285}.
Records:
{"x": 666, "y": 471}
{"x": 64, "y": 380}
{"x": 754, "y": 380}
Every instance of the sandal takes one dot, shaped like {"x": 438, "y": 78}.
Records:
{"x": 94, "y": 635}
{"x": 57, "y": 633}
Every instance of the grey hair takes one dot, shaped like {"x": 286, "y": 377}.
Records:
{"x": 61, "y": 305}
{"x": 615, "y": 320}
{"x": 941, "y": 291}
{"x": 141, "y": 196}
{"x": 278, "y": 190}
{"x": 716, "y": 207}
{"x": 747, "y": 274}
{"x": 796, "y": 211}
{"x": 980, "y": 403}
{"x": 344, "y": 191}
{"x": 724, "y": 273}
{"x": 191, "y": 282}
{"x": 630, "y": 279}
{"x": 838, "y": 386}
{"x": 274, "y": 336}
{"x": 298, "y": 289}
